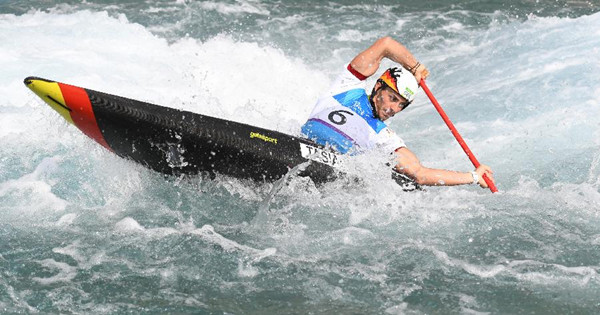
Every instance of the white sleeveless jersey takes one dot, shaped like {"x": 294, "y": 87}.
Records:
{"x": 343, "y": 119}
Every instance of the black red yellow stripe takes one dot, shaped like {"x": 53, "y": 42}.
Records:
{"x": 72, "y": 103}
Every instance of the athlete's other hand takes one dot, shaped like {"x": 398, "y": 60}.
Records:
{"x": 484, "y": 169}
{"x": 421, "y": 72}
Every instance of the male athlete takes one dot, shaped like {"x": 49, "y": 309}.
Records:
{"x": 350, "y": 121}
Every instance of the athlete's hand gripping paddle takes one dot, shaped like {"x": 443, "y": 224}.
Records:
{"x": 460, "y": 140}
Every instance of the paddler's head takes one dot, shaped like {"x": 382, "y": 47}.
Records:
{"x": 393, "y": 92}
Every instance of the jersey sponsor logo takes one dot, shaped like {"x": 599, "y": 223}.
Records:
{"x": 262, "y": 137}
{"x": 319, "y": 155}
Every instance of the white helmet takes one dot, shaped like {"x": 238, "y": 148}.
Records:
{"x": 401, "y": 81}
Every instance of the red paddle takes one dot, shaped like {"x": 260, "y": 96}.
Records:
{"x": 456, "y": 134}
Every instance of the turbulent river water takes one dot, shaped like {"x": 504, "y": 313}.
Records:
{"x": 84, "y": 231}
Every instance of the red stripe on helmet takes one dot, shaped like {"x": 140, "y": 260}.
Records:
{"x": 82, "y": 113}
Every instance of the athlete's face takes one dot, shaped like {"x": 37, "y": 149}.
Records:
{"x": 387, "y": 102}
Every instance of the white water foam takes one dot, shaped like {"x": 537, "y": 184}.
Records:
{"x": 240, "y": 7}
{"x": 17, "y": 194}
{"x": 530, "y": 120}
{"x": 64, "y": 272}
{"x": 239, "y": 81}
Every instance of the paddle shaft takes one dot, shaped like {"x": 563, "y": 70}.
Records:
{"x": 460, "y": 140}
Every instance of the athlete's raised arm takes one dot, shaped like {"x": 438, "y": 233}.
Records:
{"x": 367, "y": 62}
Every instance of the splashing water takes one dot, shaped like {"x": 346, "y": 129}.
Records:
{"x": 84, "y": 231}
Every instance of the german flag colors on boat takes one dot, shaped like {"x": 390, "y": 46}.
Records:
{"x": 79, "y": 109}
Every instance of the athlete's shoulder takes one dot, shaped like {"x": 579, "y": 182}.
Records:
{"x": 346, "y": 81}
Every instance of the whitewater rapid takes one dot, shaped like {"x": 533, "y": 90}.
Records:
{"x": 85, "y": 231}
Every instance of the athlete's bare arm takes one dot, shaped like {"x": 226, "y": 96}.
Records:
{"x": 367, "y": 62}
{"x": 409, "y": 164}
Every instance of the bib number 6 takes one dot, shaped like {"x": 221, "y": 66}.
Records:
{"x": 337, "y": 116}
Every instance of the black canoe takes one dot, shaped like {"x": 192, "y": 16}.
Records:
{"x": 172, "y": 141}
